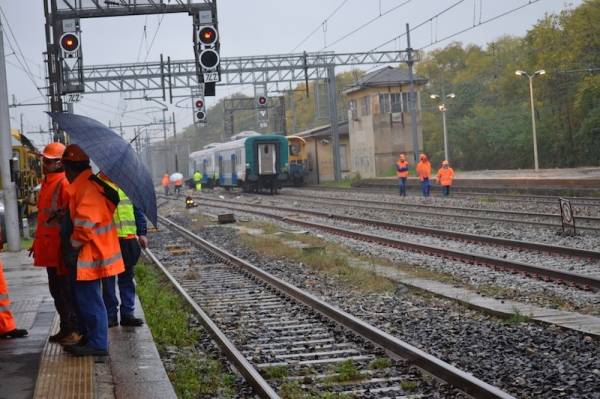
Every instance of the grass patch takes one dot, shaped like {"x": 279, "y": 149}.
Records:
{"x": 194, "y": 373}
{"x": 380, "y": 363}
{"x": 333, "y": 261}
{"x": 345, "y": 371}
{"x": 409, "y": 385}
{"x": 26, "y": 244}
{"x": 517, "y": 317}
{"x": 275, "y": 372}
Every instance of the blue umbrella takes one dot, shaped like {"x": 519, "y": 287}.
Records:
{"x": 115, "y": 158}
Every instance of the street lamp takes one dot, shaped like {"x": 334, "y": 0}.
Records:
{"x": 525, "y": 74}
{"x": 442, "y": 108}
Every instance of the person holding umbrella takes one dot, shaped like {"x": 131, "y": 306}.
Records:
{"x": 91, "y": 248}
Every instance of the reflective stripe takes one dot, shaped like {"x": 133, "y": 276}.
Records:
{"x": 76, "y": 244}
{"x": 4, "y": 308}
{"x": 3, "y": 297}
{"x": 127, "y": 223}
{"x": 83, "y": 222}
{"x": 104, "y": 229}
{"x": 98, "y": 263}
{"x": 124, "y": 201}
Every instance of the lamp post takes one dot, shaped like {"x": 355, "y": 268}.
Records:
{"x": 530, "y": 77}
{"x": 442, "y": 108}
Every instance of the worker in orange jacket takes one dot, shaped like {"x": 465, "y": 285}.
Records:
{"x": 445, "y": 175}
{"x": 424, "y": 172}
{"x": 402, "y": 173}
{"x": 52, "y": 204}
{"x": 178, "y": 185}
{"x": 92, "y": 249}
{"x": 8, "y": 329}
{"x": 165, "y": 183}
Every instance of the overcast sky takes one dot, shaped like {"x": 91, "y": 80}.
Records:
{"x": 248, "y": 27}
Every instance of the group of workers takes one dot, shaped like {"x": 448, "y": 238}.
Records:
{"x": 88, "y": 237}
{"x": 178, "y": 183}
{"x": 445, "y": 175}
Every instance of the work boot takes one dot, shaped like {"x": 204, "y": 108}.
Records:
{"x": 71, "y": 339}
{"x": 16, "y": 333}
{"x": 84, "y": 350}
{"x": 131, "y": 321}
{"x": 113, "y": 321}
{"x": 82, "y": 342}
{"x": 58, "y": 336}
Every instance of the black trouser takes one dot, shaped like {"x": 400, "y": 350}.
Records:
{"x": 130, "y": 251}
{"x": 61, "y": 291}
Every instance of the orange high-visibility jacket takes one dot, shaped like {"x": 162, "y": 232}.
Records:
{"x": 445, "y": 176}
{"x": 423, "y": 170}
{"x": 92, "y": 216}
{"x": 179, "y": 182}
{"x": 401, "y": 165}
{"x": 165, "y": 180}
{"x": 7, "y": 322}
{"x": 53, "y": 200}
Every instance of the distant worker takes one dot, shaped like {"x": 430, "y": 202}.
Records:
{"x": 198, "y": 180}
{"x": 445, "y": 175}
{"x": 90, "y": 247}
{"x": 132, "y": 231}
{"x": 52, "y": 204}
{"x": 178, "y": 184}
{"x": 424, "y": 172}
{"x": 165, "y": 183}
{"x": 8, "y": 329}
{"x": 402, "y": 173}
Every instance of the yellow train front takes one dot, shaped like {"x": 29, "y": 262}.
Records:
{"x": 298, "y": 159}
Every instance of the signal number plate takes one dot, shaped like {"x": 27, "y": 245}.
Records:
{"x": 211, "y": 77}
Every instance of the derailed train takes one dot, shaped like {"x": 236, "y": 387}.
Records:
{"x": 251, "y": 161}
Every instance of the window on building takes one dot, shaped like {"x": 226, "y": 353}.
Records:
{"x": 384, "y": 103}
{"x": 396, "y": 100}
{"x": 405, "y": 102}
{"x": 365, "y": 105}
{"x": 343, "y": 158}
{"x": 353, "y": 109}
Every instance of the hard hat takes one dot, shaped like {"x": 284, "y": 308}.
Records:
{"x": 444, "y": 162}
{"x": 53, "y": 151}
{"x": 74, "y": 153}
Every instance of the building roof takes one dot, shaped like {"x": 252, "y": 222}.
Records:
{"x": 387, "y": 76}
{"x": 324, "y": 130}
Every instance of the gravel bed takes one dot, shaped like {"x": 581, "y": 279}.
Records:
{"x": 527, "y": 360}
{"x": 474, "y": 202}
{"x": 520, "y": 288}
{"x": 584, "y": 240}
{"x": 563, "y": 263}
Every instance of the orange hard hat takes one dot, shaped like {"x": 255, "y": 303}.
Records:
{"x": 74, "y": 153}
{"x": 53, "y": 151}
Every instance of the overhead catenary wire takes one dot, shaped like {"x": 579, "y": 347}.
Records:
{"x": 321, "y": 25}
{"x": 154, "y": 37}
{"x": 364, "y": 25}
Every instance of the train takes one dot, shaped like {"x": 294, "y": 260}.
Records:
{"x": 252, "y": 161}
{"x": 298, "y": 157}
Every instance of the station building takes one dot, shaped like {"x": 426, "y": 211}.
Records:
{"x": 379, "y": 120}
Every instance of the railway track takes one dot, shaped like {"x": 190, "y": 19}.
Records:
{"x": 582, "y": 281}
{"x": 280, "y": 337}
{"x": 466, "y": 213}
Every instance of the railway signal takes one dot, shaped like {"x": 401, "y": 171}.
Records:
{"x": 71, "y": 60}
{"x": 206, "y": 41}
{"x": 199, "y": 110}
{"x": 69, "y": 45}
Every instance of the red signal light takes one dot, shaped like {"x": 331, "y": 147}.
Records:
{"x": 199, "y": 104}
{"x": 69, "y": 42}
{"x": 262, "y": 100}
{"x": 207, "y": 35}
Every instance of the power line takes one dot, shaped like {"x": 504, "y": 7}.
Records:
{"x": 419, "y": 25}
{"x": 529, "y": 2}
{"x": 154, "y": 37}
{"x": 143, "y": 39}
{"x": 324, "y": 23}
{"x": 365, "y": 24}
{"x": 23, "y": 64}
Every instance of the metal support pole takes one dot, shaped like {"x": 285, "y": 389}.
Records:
{"x": 175, "y": 137}
{"x": 412, "y": 98}
{"x": 333, "y": 118}
{"x": 535, "y": 149}
{"x": 11, "y": 213}
{"x": 446, "y": 157}
{"x": 164, "y": 112}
